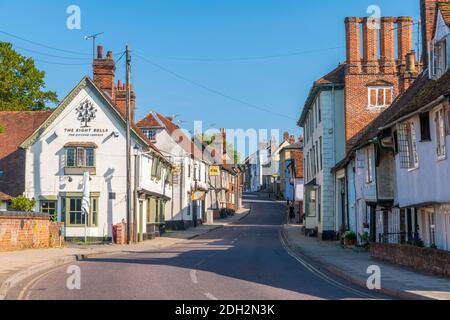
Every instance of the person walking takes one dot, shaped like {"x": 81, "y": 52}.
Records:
{"x": 291, "y": 213}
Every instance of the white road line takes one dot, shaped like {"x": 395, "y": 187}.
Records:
{"x": 210, "y": 296}
{"x": 194, "y": 276}
{"x": 321, "y": 274}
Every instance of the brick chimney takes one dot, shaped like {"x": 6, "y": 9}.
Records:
{"x": 428, "y": 16}
{"x": 291, "y": 139}
{"x": 370, "y": 46}
{"x": 387, "y": 45}
{"x": 286, "y": 136}
{"x": 353, "y": 43}
{"x": 410, "y": 73}
{"x": 223, "y": 139}
{"x": 405, "y": 26}
{"x": 121, "y": 100}
{"x": 104, "y": 72}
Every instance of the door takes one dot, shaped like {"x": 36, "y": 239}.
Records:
{"x": 141, "y": 221}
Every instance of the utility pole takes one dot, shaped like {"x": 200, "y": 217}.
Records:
{"x": 128, "y": 153}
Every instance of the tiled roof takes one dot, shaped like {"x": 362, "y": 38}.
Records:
{"x": 17, "y": 127}
{"x": 177, "y": 134}
{"x": 148, "y": 122}
{"x": 5, "y": 197}
{"x": 334, "y": 77}
{"x": 422, "y": 92}
{"x": 444, "y": 7}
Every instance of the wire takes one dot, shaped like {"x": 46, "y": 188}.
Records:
{"x": 211, "y": 90}
{"x": 44, "y": 45}
{"x": 266, "y": 57}
{"x": 47, "y": 54}
{"x": 62, "y": 63}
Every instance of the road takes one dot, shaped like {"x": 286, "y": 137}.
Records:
{"x": 244, "y": 261}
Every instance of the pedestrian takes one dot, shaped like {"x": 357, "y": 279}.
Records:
{"x": 291, "y": 213}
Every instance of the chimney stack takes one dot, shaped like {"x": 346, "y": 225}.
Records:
{"x": 370, "y": 45}
{"x": 428, "y": 16}
{"x": 121, "y": 100}
{"x": 353, "y": 44}
{"x": 104, "y": 73}
{"x": 292, "y": 140}
{"x": 387, "y": 45}
{"x": 286, "y": 136}
{"x": 405, "y": 25}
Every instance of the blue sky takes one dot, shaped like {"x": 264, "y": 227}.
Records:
{"x": 206, "y": 41}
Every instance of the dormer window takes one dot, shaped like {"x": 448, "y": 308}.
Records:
{"x": 438, "y": 58}
{"x": 380, "y": 97}
{"x": 150, "y": 134}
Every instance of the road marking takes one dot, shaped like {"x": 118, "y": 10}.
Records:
{"x": 210, "y": 296}
{"x": 194, "y": 276}
{"x": 26, "y": 291}
{"x": 321, "y": 274}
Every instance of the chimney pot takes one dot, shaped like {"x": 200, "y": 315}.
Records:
{"x": 110, "y": 55}
{"x": 286, "y": 136}
{"x": 99, "y": 52}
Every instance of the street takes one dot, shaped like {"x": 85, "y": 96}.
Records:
{"x": 245, "y": 261}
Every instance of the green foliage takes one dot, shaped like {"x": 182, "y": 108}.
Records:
{"x": 21, "y": 83}
{"x": 23, "y": 204}
{"x": 350, "y": 235}
{"x": 1, "y": 129}
{"x": 209, "y": 139}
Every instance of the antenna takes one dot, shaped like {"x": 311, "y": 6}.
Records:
{"x": 93, "y": 37}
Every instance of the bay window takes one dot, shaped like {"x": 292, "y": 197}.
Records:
{"x": 78, "y": 159}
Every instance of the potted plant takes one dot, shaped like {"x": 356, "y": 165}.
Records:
{"x": 350, "y": 238}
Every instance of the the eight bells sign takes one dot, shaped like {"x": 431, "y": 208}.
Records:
{"x": 86, "y": 113}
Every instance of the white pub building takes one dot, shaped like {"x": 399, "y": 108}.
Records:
{"x": 87, "y": 133}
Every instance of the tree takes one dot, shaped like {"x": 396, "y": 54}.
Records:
{"x": 209, "y": 139}
{"x": 23, "y": 204}
{"x": 21, "y": 83}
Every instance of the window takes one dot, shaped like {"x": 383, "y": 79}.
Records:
{"x": 425, "y": 134}
{"x": 441, "y": 149}
{"x": 80, "y": 158}
{"x": 49, "y": 207}
{"x": 369, "y": 165}
{"x": 156, "y": 168}
{"x": 72, "y": 206}
{"x": 150, "y": 134}
{"x": 409, "y": 159}
{"x": 317, "y": 157}
{"x": 319, "y": 109}
{"x": 380, "y": 97}
{"x": 319, "y": 204}
{"x": 438, "y": 58}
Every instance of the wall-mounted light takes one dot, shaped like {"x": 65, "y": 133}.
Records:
{"x": 70, "y": 179}
{"x": 115, "y": 134}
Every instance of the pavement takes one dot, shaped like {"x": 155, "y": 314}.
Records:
{"x": 19, "y": 265}
{"x": 352, "y": 264}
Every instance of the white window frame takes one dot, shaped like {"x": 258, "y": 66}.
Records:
{"x": 441, "y": 147}
{"x": 438, "y": 58}
{"x": 377, "y": 90}
{"x": 412, "y": 147}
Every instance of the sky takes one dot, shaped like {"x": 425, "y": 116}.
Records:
{"x": 236, "y": 64}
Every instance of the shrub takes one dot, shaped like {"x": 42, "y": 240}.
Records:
{"x": 350, "y": 235}
{"x": 23, "y": 204}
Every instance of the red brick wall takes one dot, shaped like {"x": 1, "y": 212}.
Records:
{"x": 374, "y": 67}
{"x": 26, "y": 231}
{"x": 422, "y": 259}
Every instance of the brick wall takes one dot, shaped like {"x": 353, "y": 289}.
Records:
{"x": 20, "y": 231}
{"x": 432, "y": 261}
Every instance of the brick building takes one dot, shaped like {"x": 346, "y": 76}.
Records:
{"x": 344, "y": 102}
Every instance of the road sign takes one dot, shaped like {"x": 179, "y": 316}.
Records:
{"x": 214, "y": 171}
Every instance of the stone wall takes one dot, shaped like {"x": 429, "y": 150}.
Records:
{"x": 432, "y": 261}
{"x": 20, "y": 231}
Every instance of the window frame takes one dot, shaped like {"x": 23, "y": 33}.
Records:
{"x": 53, "y": 217}
{"x": 93, "y": 211}
{"x": 369, "y": 165}
{"x": 440, "y": 132}
{"x": 77, "y": 151}
{"x": 377, "y": 89}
